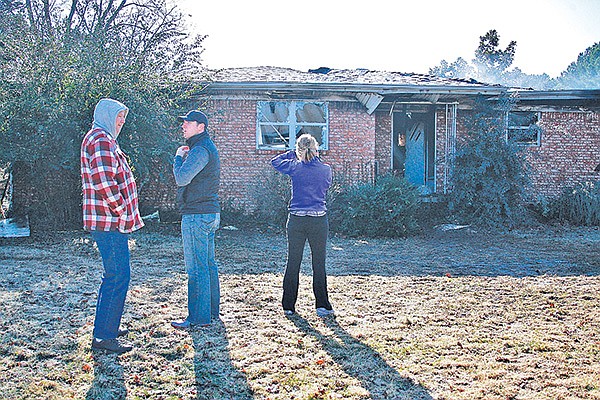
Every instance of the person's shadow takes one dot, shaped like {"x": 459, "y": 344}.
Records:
{"x": 360, "y": 361}
{"x": 109, "y": 381}
{"x": 216, "y": 376}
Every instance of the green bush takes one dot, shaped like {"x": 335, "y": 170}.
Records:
{"x": 490, "y": 172}
{"x": 387, "y": 208}
{"x": 234, "y": 214}
{"x": 579, "y": 205}
{"x": 55, "y": 70}
{"x": 271, "y": 193}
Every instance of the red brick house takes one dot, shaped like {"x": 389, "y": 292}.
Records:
{"x": 370, "y": 123}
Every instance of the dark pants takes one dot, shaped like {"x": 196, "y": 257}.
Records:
{"x": 299, "y": 229}
{"x": 114, "y": 250}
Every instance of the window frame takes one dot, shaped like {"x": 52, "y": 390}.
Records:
{"x": 523, "y": 128}
{"x": 292, "y": 124}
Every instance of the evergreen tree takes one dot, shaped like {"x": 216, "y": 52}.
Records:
{"x": 489, "y": 172}
{"x": 459, "y": 69}
{"x": 491, "y": 64}
{"x": 490, "y": 60}
{"x": 583, "y": 73}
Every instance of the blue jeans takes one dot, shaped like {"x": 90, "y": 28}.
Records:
{"x": 114, "y": 250}
{"x": 204, "y": 295}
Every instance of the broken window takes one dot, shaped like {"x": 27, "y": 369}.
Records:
{"x": 277, "y": 119}
{"x": 523, "y": 128}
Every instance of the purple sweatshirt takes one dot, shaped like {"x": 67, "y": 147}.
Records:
{"x": 310, "y": 181}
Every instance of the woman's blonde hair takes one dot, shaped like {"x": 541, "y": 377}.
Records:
{"x": 306, "y": 147}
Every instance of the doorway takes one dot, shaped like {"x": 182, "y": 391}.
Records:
{"x": 413, "y": 147}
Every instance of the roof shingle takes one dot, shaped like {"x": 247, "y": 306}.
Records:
{"x": 326, "y": 75}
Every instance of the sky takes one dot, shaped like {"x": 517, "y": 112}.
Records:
{"x": 390, "y": 35}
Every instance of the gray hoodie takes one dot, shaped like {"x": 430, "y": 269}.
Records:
{"x": 105, "y": 115}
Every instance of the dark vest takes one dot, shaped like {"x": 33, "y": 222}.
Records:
{"x": 201, "y": 195}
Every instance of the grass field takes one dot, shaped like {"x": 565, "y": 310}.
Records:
{"x": 447, "y": 315}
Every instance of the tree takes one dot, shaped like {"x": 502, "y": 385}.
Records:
{"x": 519, "y": 79}
{"x": 489, "y": 59}
{"x": 491, "y": 64}
{"x": 459, "y": 69}
{"x": 60, "y": 57}
{"x": 489, "y": 172}
{"x": 583, "y": 73}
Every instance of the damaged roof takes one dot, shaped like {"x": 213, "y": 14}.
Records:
{"x": 330, "y": 78}
{"x": 375, "y": 88}
{"x": 371, "y": 88}
{"x": 328, "y": 75}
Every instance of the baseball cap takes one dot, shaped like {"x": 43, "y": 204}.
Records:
{"x": 197, "y": 116}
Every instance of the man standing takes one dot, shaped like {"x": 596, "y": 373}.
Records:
{"x": 197, "y": 171}
{"x": 110, "y": 213}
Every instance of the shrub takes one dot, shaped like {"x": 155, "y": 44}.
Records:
{"x": 58, "y": 66}
{"x": 271, "y": 195}
{"x": 386, "y": 208}
{"x": 489, "y": 176}
{"x": 579, "y": 205}
{"x": 233, "y": 214}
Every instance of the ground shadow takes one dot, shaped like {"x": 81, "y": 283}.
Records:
{"x": 467, "y": 254}
{"x": 457, "y": 253}
{"x": 109, "y": 380}
{"x": 360, "y": 361}
{"x": 216, "y": 376}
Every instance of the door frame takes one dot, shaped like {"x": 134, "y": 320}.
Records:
{"x": 402, "y": 116}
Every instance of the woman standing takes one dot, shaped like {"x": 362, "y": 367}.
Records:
{"x": 307, "y": 220}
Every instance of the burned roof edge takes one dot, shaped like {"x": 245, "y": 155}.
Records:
{"x": 354, "y": 87}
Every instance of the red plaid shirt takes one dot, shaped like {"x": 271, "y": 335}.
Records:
{"x": 110, "y": 201}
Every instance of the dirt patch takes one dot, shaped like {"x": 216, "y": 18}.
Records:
{"x": 454, "y": 314}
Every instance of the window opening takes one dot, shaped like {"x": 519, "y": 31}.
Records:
{"x": 277, "y": 119}
{"x": 523, "y": 128}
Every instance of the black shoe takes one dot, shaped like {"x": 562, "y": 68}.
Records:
{"x": 123, "y": 332}
{"x": 110, "y": 345}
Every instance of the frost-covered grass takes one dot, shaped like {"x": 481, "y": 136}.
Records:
{"x": 451, "y": 315}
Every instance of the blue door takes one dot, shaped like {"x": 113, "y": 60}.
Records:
{"x": 415, "y": 153}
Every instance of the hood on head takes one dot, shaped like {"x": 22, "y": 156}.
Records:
{"x": 105, "y": 115}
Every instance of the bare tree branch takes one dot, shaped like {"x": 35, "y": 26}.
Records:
{"x": 30, "y": 15}
{"x": 69, "y": 20}
{"x": 114, "y": 15}
{"x": 47, "y": 18}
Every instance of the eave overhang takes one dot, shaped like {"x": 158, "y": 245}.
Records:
{"x": 582, "y": 99}
{"x": 371, "y": 96}
{"x": 336, "y": 87}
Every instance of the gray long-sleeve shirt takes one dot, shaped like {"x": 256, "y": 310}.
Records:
{"x": 185, "y": 169}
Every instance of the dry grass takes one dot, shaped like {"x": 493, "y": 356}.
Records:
{"x": 450, "y": 315}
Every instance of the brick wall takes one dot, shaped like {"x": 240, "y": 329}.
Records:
{"x": 568, "y": 154}
{"x": 232, "y": 124}
{"x": 351, "y": 142}
{"x": 383, "y": 142}
{"x": 441, "y": 173}
{"x": 360, "y": 148}
{"x": 569, "y": 151}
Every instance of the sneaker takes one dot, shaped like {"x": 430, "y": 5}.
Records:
{"x": 288, "y": 312}
{"x": 110, "y": 345}
{"x": 323, "y": 312}
{"x": 123, "y": 332}
{"x": 185, "y": 325}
